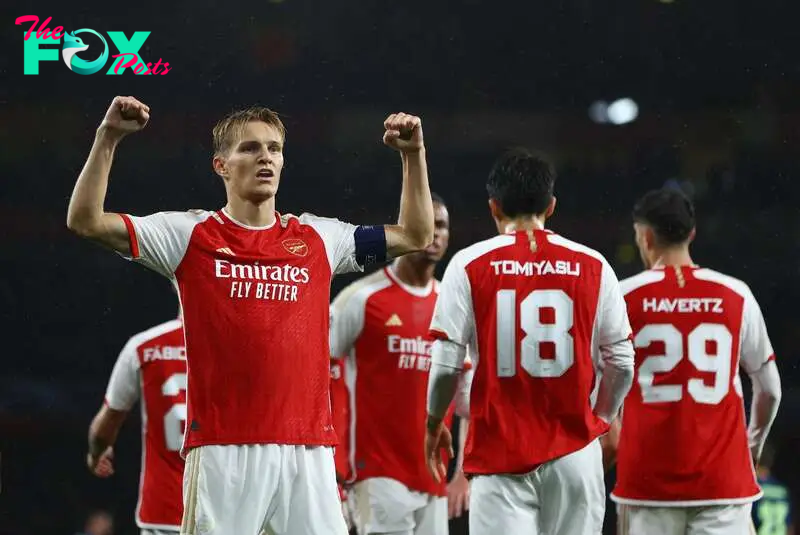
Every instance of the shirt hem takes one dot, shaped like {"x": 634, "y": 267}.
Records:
{"x": 257, "y": 441}
{"x": 412, "y": 488}
{"x": 686, "y": 503}
{"x": 165, "y": 527}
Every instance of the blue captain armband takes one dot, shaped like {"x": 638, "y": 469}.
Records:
{"x": 370, "y": 244}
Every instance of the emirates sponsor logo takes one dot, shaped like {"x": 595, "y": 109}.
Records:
{"x": 223, "y": 269}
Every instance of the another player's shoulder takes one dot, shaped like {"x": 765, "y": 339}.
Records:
{"x": 557, "y": 240}
{"x": 733, "y": 284}
{"x": 357, "y": 292}
{"x": 481, "y": 249}
{"x": 641, "y": 280}
{"x": 153, "y": 334}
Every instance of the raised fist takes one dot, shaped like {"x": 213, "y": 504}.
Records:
{"x": 126, "y": 115}
{"x": 403, "y": 132}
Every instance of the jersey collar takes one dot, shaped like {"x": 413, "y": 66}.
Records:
{"x": 413, "y": 290}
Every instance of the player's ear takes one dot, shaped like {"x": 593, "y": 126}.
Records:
{"x": 494, "y": 208}
{"x": 497, "y": 214}
{"x": 218, "y": 163}
{"x": 649, "y": 237}
{"x": 550, "y": 208}
{"x": 692, "y": 234}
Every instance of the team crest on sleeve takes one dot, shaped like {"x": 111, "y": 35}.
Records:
{"x": 296, "y": 246}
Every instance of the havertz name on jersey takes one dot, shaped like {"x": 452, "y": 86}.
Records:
{"x": 683, "y": 304}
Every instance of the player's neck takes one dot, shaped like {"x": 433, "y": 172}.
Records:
{"x": 508, "y": 226}
{"x": 673, "y": 257}
{"x": 413, "y": 272}
{"x": 251, "y": 214}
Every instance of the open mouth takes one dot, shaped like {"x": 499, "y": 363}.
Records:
{"x": 265, "y": 173}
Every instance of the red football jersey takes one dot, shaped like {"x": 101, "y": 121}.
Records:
{"x": 381, "y": 325}
{"x": 152, "y": 365}
{"x": 340, "y": 408}
{"x": 683, "y": 440}
{"x": 255, "y": 311}
{"x": 534, "y": 308}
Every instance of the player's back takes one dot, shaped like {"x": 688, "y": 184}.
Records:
{"x": 689, "y": 325}
{"x": 535, "y": 299}
{"x": 162, "y": 363}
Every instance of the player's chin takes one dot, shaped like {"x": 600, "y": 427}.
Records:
{"x": 432, "y": 254}
{"x": 262, "y": 192}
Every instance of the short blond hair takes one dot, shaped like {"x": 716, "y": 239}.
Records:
{"x": 228, "y": 129}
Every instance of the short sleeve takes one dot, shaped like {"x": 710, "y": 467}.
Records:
{"x": 347, "y": 321}
{"x": 612, "y": 314}
{"x": 453, "y": 317}
{"x": 340, "y": 242}
{"x": 123, "y": 387}
{"x": 756, "y": 348}
{"x": 159, "y": 241}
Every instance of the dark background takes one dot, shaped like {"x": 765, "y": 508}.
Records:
{"x": 715, "y": 82}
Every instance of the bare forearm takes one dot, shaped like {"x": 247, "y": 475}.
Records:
{"x": 104, "y": 429}
{"x": 442, "y": 384}
{"x": 88, "y": 197}
{"x": 463, "y": 429}
{"x": 416, "y": 207}
{"x": 86, "y": 215}
{"x": 98, "y": 444}
{"x": 614, "y": 386}
{"x": 100, "y": 438}
{"x": 766, "y": 400}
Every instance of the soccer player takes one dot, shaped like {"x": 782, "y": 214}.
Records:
{"x": 685, "y": 460}
{"x": 542, "y": 315}
{"x": 772, "y": 513}
{"x": 380, "y": 324}
{"x": 152, "y": 369}
{"x": 254, "y": 286}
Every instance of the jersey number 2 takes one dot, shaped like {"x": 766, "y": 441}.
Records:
{"x": 536, "y": 333}
{"x": 175, "y": 417}
{"x": 716, "y": 361}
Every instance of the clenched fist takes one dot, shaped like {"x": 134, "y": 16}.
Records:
{"x": 103, "y": 465}
{"x": 126, "y": 115}
{"x": 403, "y": 132}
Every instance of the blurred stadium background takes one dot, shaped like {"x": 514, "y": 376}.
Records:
{"x": 714, "y": 110}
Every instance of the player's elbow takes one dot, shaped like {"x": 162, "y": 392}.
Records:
{"x": 83, "y": 226}
{"x": 419, "y": 239}
{"x": 622, "y": 371}
{"x": 626, "y": 379}
{"x": 767, "y": 383}
{"x": 772, "y": 396}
